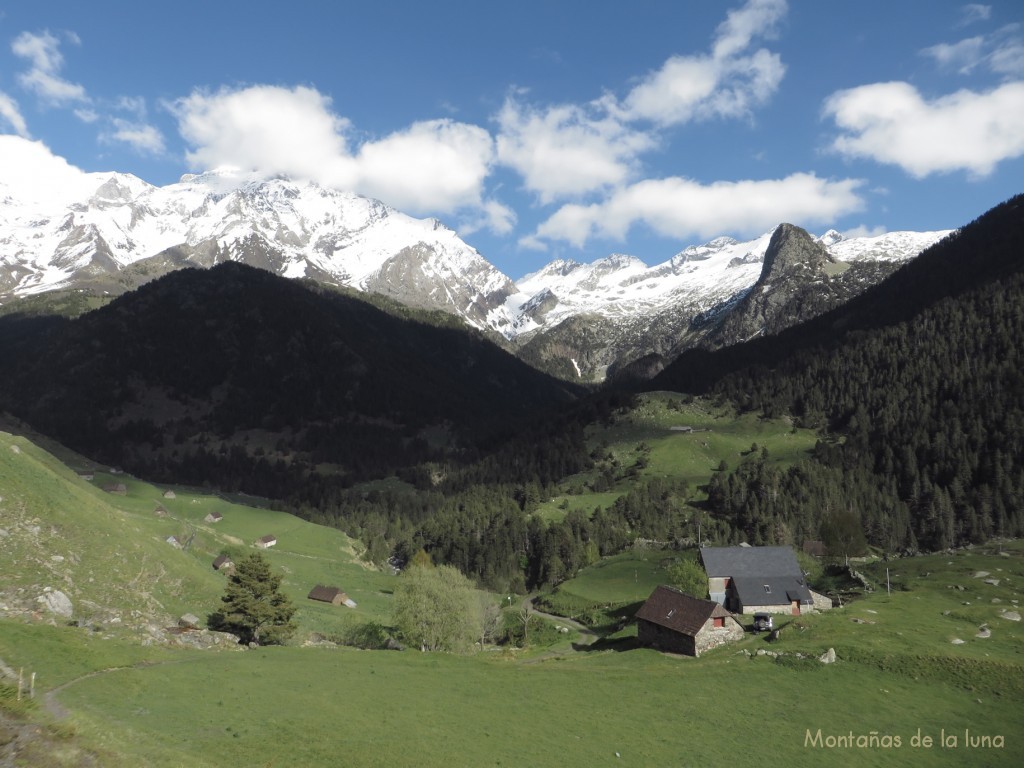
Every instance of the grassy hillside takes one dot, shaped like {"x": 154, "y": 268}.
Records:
{"x": 670, "y": 436}
{"x": 109, "y": 554}
{"x": 102, "y": 693}
{"x": 897, "y": 673}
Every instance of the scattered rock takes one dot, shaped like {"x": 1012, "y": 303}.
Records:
{"x": 57, "y": 558}
{"x": 984, "y": 632}
{"x": 1010, "y": 615}
{"x": 189, "y": 621}
{"x": 993, "y": 582}
{"x": 58, "y": 603}
{"x": 946, "y": 613}
{"x": 981, "y": 574}
{"x": 16, "y": 449}
{"x": 761, "y": 652}
{"x": 858, "y": 620}
{"x": 996, "y": 600}
{"x": 868, "y": 610}
{"x": 828, "y": 657}
{"x": 957, "y": 641}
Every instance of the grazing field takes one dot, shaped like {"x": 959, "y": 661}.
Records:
{"x": 665, "y": 436}
{"x": 934, "y": 650}
{"x": 312, "y": 706}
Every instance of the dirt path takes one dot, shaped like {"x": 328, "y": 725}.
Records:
{"x": 587, "y": 635}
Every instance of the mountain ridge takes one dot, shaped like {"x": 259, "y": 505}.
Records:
{"x": 111, "y": 232}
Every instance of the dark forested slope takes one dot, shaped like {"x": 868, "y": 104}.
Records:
{"x": 922, "y": 380}
{"x": 239, "y": 378}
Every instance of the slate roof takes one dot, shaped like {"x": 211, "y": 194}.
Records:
{"x": 668, "y": 607}
{"x": 221, "y": 561}
{"x": 782, "y": 590}
{"x": 737, "y": 562}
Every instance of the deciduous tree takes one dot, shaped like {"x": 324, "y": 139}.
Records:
{"x": 437, "y": 609}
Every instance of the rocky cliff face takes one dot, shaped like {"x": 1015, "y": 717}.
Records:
{"x": 799, "y": 280}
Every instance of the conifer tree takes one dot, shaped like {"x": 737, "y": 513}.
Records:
{"x": 254, "y": 607}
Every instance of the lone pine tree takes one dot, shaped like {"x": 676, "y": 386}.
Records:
{"x": 254, "y": 607}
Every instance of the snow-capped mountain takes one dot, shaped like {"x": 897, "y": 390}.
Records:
{"x": 123, "y": 231}
{"x": 112, "y": 232}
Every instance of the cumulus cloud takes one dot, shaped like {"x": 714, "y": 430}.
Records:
{"x": 33, "y": 173}
{"x": 727, "y": 82}
{"x": 12, "y": 115}
{"x": 437, "y": 165}
{"x": 434, "y": 166}
{"x": 269, "y": 129}
{"x": 42, "y": 52}
{"x": 566, "y": 150}
{"x": 892, "y": 123}
{"x": 680, "y": 208}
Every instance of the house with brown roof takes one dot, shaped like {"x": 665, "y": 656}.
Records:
{"x": 674, "y": 621}
{"x": 175, "y": 542}
{"x": 119, "y": 489}
{"x": 265, "y": 542}
{"x": 331, "y": 595}
{"x": 222, "y": 562}
{"x": 160, "y": 511}
{"x": 214, "y": 517}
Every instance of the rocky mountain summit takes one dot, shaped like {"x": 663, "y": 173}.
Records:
{"x": 113, "y": 232}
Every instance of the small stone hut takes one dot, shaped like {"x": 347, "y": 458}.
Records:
{"x": 674, "y": 621}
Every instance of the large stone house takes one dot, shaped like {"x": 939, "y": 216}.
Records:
{"x": 759, "y": 579}
{"x": 674, "y": 621}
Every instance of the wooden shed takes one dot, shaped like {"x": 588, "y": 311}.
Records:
{"x": 222, "y": 562}
{"x": 674, "y": 621}
{"x": 331, "y": 595}
{"x": 214, "y": 517}
{"x": 265, "y": 542}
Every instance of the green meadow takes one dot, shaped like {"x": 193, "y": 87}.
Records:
{"x": 935, "y": 655}
{"x": 669, "y": 437}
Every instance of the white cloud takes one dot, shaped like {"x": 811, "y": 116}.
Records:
{"x": 12, "y": 115}
{"x": 973, "y": 12}
{"x": 1007, "y": 57}
{"x": 724, "y": 83}
{"x": 268, "y": 129}
{"x": 33, "y": 173}
{"x": 680, "y": 208}
{"x": 431, "y": 167}
{"x": 141, "y": 137}
{"x": 566, "y": 151}
{"x": 42, "y": 51}
{"x": 1002, "y": 52}
{"x": 572, "y": 150}
{"x": 495, "y": 216}
{"x": 892, "y": 123}
{"x": 864, "y": 230}
{"x": 962, "y": 56}
{"x": 438, "y": 165}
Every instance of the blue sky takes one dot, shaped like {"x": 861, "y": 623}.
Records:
{"x": 544, "y": 130}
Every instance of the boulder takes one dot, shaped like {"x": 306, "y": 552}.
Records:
{"x": 828, "y": 657}
{"x": 56, "y": 602}
{"x": 1010, "y": 615}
